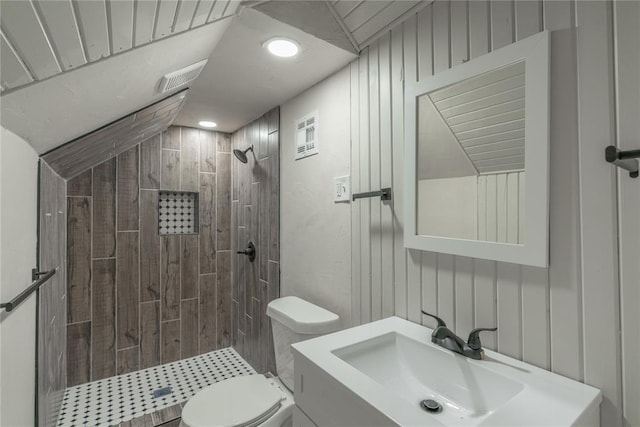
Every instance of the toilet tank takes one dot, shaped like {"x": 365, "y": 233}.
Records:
{"x": 293, "y": 320}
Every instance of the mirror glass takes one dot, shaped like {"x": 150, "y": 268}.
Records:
{"x": 470, "y": 158}
{"x": 477, "y": 157}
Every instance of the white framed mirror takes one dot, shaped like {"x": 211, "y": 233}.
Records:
{"x": 477, "y": 157}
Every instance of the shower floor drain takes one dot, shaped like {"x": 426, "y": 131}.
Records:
{"x": 114, "y": 400}
{"x": 162, "y": 392}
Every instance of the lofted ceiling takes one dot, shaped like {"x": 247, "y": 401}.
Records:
{"x": 366, "y": 20}
{"x": 90, "y": 150}
{"x": 348, "y": 24}
{"x": 440, "y": 154}
{"x": 473, "y": 127}
{"x": 313, "y": 17}
{"x": 64, "y": 107}
{"x": 69, "y": 67}
{"x": 44, "y": 38}
{"x": 242, "y": 80}
{"x": 486, "y": 115}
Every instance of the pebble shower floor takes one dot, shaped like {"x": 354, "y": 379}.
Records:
{"x": 122, "y": 398}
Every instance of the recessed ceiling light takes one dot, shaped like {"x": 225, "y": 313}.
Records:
{"x": 282, "y": 47}
{"x": 207, "y": 124}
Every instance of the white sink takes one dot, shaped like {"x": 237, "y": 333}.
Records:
{"x": 416, "y": 371}
{"x": 378, "y": 373}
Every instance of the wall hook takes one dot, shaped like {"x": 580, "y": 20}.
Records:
{"x": 623, "y": 159}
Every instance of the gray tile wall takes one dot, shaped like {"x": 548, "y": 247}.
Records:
{"x": 52, "y": 295}
{"x": 255, "y": 216}
{"x": 137, "y": 299}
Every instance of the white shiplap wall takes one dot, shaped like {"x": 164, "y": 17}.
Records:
{"x": 501, "y": 207}
{"x": 627, "y": 36}
{"x": 556, "y": 318}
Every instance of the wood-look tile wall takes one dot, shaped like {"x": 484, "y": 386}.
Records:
{"x": 52, "y": 305}
{"x": 255, "y": 216}
{"x": 138, "y": 299}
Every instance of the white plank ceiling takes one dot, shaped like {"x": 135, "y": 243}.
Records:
{"x": 43, "y": 38}
{"x": 486, "y": 115}
{"x": 56, "y": 110}
{"x": 349, "y": 24}
{"x": 365, "y": 20}
{"x": 71, "y": 66}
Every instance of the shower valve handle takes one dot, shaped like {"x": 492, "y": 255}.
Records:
{"x": 250, "y": 251}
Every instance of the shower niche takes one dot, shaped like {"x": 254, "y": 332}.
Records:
{"x": 177, "y": 213}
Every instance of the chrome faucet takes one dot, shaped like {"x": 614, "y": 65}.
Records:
{"x": 444, "y": 337}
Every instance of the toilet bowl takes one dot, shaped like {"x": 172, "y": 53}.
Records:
{"x": 257, "y": 400}
{"x": 250, "y": 400}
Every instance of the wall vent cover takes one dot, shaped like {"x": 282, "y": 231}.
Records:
{"x": 178, "y": 213}
{"x": 181, "y": 77}
{"x": 307, "y": 136}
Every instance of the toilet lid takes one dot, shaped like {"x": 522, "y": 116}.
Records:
{"x": 235, "y": 402}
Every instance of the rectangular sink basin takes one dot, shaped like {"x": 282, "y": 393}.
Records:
{"x": 387, "y": 368}
{"x": 415, "y": 372}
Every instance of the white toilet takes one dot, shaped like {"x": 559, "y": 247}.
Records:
{"x": 253, "y": 400}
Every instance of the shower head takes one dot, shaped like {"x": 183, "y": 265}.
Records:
{"x": 242, "y": 155}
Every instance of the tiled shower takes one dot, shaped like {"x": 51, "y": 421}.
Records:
{"x": 136, "y": 298}
{"x": 255, "y": 216}
{"x": 140, "y": 296}
{"x": 51, "y": 325}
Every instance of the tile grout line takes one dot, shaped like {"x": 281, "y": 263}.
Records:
{"x": 116, "y": 317}
{"x": 91, "y": 290}
{"x": 139, "y": 176}
{"x": 180, "y": 251}
{"x": 160, "y": 241}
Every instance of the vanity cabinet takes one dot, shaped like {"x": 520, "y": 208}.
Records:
{"x": 300, "y": 419}
{"x": 327, "y": 402}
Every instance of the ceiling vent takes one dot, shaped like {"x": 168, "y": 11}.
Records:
{"x": 181, "y": 77}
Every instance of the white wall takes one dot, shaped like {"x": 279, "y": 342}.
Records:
{"x": 565, "y": 318}
{"x": 501, "y": 207}
{"x": 486, "y": 207}
{"x": 627, "y": 17}
{"x": 315, "y": 231}
{"x": 18, "y": 219}
{"x": 448, "y": 207}
{"x": 440, "y": 154}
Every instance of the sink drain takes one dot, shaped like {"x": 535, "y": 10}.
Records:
{"x": 431, "y": 405}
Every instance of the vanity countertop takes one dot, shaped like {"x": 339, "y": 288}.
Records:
{"x": 390, "y": 366}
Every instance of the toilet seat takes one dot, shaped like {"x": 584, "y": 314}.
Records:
{"x": 237, "y": 402}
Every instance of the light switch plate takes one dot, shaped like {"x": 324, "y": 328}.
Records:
{"x": 341, "y": 190}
